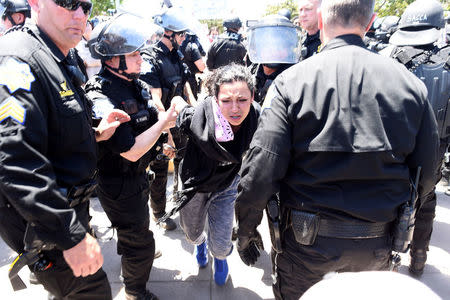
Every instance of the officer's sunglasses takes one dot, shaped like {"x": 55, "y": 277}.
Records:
{"x": 181, "y": 34}
{"x": 74, "y": 4}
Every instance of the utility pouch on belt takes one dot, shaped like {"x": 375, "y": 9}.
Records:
{"x": 305, "y": 226}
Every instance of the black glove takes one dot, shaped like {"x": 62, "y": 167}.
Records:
{"x": 250, "y": 247}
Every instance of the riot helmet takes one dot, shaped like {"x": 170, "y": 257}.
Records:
{"x": 285, "y": 12}
{"x": 387, "y": 26}
{"x": 14, "y": 6}
{"x": 173, "y": 20}
{"x": 123, "y": 34}
{"x": 232, "y": 23}
{"x": 274, "y": 40}
{"x": 420, "y": 24}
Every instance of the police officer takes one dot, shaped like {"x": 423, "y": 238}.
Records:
{"x": 341, "y": 170}
{"x": 228, "y": 47}
{"x": 416, "y": 47}
{"x": 48, "y": 153}
{"x": 307, "y": 15}
{"x": 16, "y": 12}
{"x": 123, "y": 183}
{"x": 193, "y": 54}
{"x": 383, "y": 30}
{"x": 273, "y": 47}
{"x": 167, "y": 76}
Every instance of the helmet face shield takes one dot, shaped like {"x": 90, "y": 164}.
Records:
{"x": 126, "y": 34}
{"x": 274, "y": 44}
{"x": 2, "y": 9}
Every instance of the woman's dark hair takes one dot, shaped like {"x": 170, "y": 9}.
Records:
{"x": 228, "y": 74}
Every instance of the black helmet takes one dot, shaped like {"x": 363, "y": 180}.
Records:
{"x": 9, "y": 7}
{"x": 274, "y": 40}
{"x": 125, "y": 33}
{"x": 387, "y": 26}
{"x": 285, "y": 12}
{"x": 419, "y": 24}
{"x": 173, "y": 19}
{"x": 232, "y": 22}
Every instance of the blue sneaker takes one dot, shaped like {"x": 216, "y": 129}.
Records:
{"x": 220, "y": 271}
{"x": 201, "y": 253}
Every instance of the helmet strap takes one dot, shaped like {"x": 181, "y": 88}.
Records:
{"x": 122, "y": 67}
{"x": 171, "y": 38}
{"x": 10, "y": 18}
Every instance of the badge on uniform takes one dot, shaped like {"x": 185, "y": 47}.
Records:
{"x": 15, "y": 75}
{"x": 11, "y": 108}
{"x": 65, "y": 92}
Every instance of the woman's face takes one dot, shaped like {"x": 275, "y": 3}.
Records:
{"x": 234, "y": 100}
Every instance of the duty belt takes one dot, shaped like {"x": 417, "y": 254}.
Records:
{"x": 352, "y": 230}
{"x": 307, "y": 226}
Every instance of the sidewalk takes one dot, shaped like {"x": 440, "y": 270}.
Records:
{"x": 175, "y": 275}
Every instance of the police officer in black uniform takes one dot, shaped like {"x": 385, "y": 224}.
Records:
{"x": 193, "y": 54}
{"x": 228, "y": 47}
{"x": 384, "y": 28}
{"x": 48, "y": 154}
{"x": 416, "y": 46}
{"x": 123, "y": 183}
{"x": 16, "y": 12}
{"x": 165, "y": 73}
{"x": 307, "y": 15}
{"x": 272, "y": 48}
{"x": 340, "y": 147}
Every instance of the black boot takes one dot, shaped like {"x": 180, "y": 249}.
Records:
{"x": 140, "y": 296}
{"x": 418, "y": 260}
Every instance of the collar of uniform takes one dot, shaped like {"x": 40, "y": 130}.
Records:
{"x": 107, "y": 74}
{"x": 315, "y": 36}
{"x": 56, "y": 53}
{"x": 344, "y": 40}
{"x": 163, "y": 48}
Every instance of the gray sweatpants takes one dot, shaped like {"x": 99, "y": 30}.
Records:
{"x": 218, "y": 207}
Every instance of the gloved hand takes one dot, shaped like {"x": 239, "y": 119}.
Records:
{"x": 250, "y": 247}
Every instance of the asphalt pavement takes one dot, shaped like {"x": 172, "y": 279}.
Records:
{"x": 175, "y": 274}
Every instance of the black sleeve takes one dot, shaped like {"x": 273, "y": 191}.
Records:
{"x": 426, "y": 151}
{"x": 194, "y": 53}
{"x": 184, "y": 118}
{"x": 151, "y": 74}
{"x": 27, "y": 178}
{"x": 266, "y": 163}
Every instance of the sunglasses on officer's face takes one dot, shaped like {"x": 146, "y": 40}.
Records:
{"x": 182, "y": 33}
{"x": 74, "y": 4}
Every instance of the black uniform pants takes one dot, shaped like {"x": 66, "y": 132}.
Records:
{"x": 159, "y": 184}
{"x": 299, "y": 267}
{"x": 125, "y": 202}
{"x": 427, "y": 211}
{"x": 58, "y": 279}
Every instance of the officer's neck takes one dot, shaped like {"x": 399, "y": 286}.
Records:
{"x": 167, "y": 43}
{"x": 313, "y": 31}
{"x": 117, "y": 74}
{"x": 330, "y": 32}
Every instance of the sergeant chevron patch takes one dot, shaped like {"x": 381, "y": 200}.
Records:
{"x": 15, "y": 75}
{"x": 11, "y": 108}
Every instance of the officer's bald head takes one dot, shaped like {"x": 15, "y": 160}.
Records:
{"x": 347, "y": 13}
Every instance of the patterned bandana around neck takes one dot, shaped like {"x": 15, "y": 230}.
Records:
{"x": 223, "y": 130}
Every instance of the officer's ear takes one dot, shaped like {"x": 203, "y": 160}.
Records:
{"x": 319, "y": 19}
{"x": 34, "y": 5}
{"x": 374, "y": 15}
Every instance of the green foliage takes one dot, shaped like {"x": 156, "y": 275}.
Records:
{"x": 214, "y": 22}
{"x": 397, "y": 7}
{"x": 289, "y": 4}
{"x": 100, "y": 7}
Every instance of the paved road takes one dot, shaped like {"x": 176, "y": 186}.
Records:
{"x": 175, "y": 275}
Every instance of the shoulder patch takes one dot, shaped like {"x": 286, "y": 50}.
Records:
{"x": 11, "y": 108}
{"x": 15, "y": 75}
{"x": 268, "y": 100}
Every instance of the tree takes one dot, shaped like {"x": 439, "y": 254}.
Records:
{"x": 289, "y": 4}
{"x": 100, "y": 7}
{"x": 397, "y": 7}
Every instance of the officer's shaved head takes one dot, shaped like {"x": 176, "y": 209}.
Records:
{"x": 347, "y": 13}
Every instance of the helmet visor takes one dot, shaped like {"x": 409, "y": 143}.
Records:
{"x": 128, "y": 33}
{"x": 274, "y": 44}
{"x": 2, "y": 9}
